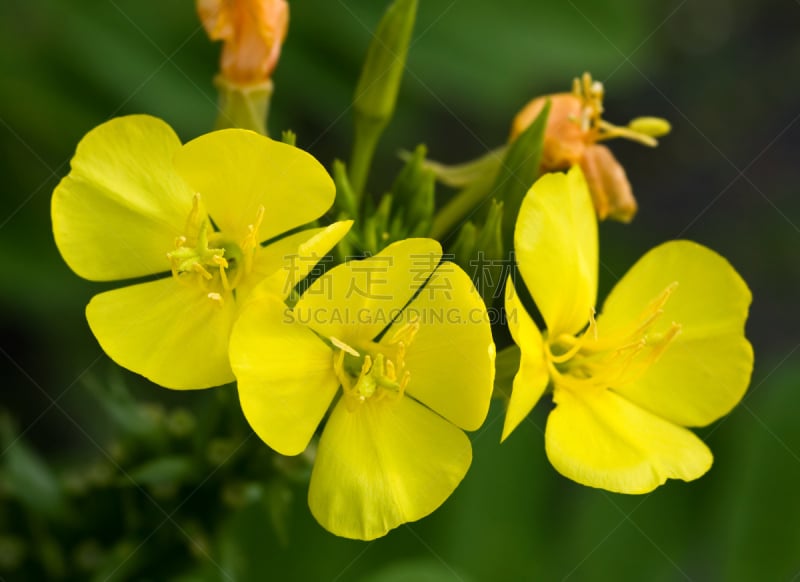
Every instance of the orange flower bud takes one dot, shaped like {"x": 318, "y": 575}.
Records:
{"x": 252, "y": 32}
{"x": 564, "y": 138}
{"x": 574, "y": 126}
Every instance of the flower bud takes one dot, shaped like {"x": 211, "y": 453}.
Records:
{"x": 252, "y": 32}
{"x": 564, "y": 138}
{"x": 574, "y": 126}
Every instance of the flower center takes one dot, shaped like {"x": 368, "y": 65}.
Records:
{"x": 376, "y": 372}
{"x": 589, "y": 361}
{"x": 211, "y": 259}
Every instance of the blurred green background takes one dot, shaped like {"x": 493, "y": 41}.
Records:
{"x": 725, "y": 72}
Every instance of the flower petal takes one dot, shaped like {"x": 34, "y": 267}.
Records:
{"x": 118, "y": 212}
{"x": 601, "y": 440}
{"x": 237, "y": 171}
{"x": 706, "y": 369}
{"x": 384, "y": 464}
{"x": 451, "y": 358}
{"x": 285, "y": 374}
{"x": 532, "y": 378}
{"x": 356, "y": 301}
{"x": 556, "y": 244}
{"x": 171, "y": 333}
{"x": 281, "y": 265}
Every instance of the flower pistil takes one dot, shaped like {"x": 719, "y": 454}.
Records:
{"x": 218, "y": 261}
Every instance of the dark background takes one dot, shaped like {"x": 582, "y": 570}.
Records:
{"x": 724, "y": 72}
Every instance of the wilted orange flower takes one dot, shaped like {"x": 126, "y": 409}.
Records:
{"x": 252, "y": 31}
{"x": 574, "y": 126}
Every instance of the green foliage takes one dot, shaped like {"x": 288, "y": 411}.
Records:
{"x": 26, "y": 475}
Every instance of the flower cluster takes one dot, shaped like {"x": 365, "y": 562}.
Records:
{"x": 384, "y": 361}
{"x": 194, "y": 218}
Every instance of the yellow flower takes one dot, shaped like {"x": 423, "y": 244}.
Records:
{"x": 137, "y": 203}
{"x": 252, "y": 31}
{"x": 574, "y": 128}
{"x": 415, "y": 363}
{"x": 668, "y": 350}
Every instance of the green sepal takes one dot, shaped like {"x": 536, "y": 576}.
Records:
{"x": 464, "y": 248}
{"x": 414, "y": 191}
{"x": 289, "y": 137}
{"x": 462, "y": 175}
{"x": 377, "y": 234}
{"x": 506, "y": 367}
{"x": 518, "y": 172}
{"x": 489, "y": 260}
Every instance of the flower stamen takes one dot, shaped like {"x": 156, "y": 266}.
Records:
{"x": 590, "y": 361}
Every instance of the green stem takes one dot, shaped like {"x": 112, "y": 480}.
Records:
{"x": 453, "y": 213}
{"x": 366, "y": 139}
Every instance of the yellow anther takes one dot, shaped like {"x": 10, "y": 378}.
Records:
{"x": 344, "y": 347}
{"x": 652, "y": 126}
{"x": 216, "y": 297}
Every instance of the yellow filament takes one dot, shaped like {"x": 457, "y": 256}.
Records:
{"x": 251, "y": 242}
{"x": 592, "y": 362}
{"x": 382, "y": 374}
{"x": 611, "y": 131}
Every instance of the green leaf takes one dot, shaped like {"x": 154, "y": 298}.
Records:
{"x": 418, "y": 570}
{"x": 246, "y": 532}
{"x": 26, "y": 475}
{"x": 165, "y": 470}
{"x": 128, "y": 414}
